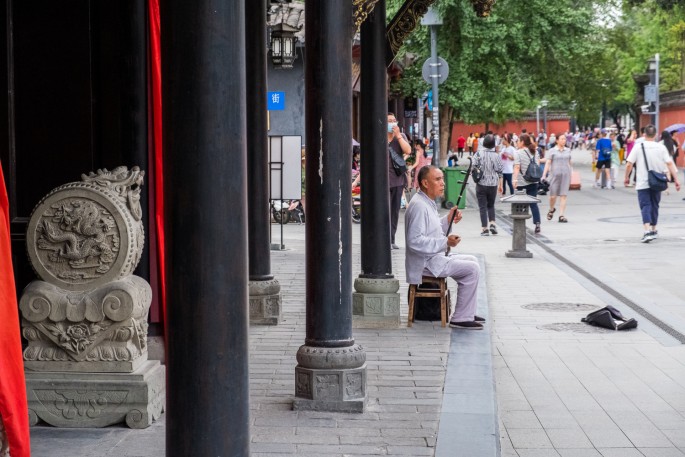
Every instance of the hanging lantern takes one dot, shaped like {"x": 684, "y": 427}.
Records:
{"x": 283, "y": 42}
{"x": 482, "y": 7}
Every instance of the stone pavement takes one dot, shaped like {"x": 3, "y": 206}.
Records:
{"x": 562, "y": 388}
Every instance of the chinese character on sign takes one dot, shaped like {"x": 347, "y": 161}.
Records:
{"x": 275, "y": 101}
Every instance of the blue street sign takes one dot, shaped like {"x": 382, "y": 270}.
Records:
{"x": 275, "y": 101}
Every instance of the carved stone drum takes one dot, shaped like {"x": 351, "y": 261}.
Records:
{"x": 85, "y": 320}
{"x": 85, "y": 234}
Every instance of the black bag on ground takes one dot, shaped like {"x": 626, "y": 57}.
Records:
{"x": 427, "y": 308}
{"x": 609, "y": 317}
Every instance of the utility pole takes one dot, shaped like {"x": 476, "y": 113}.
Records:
{"x": 434, "y": 83}
{"x": 656, "y": 82}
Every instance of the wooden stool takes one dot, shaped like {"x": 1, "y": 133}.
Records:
{"x": 442, "y": 293}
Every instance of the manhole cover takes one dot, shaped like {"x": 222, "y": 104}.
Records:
{"x": 560, "y": 307}
{"x": 575, "y": 327}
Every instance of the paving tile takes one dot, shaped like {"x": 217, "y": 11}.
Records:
{"x": 620, "y": 452}
{"x": 537, "y": 453}
{"x": 527, "y": 438}
{"x": 579, "y": 453}
{"x": 568, "y": 438}
{"x": 520, "y": 419}
{"x": 661, "y": 452}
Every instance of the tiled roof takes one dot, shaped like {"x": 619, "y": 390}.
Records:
{"x": 292, "y": 13}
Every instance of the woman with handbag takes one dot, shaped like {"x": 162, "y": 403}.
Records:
{"x": 558, "y": 173}
{"x": 489, "y": 164}
{"x": 526, "y": 155}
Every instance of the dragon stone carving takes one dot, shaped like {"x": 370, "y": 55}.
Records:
{"x": 89, "y": 313}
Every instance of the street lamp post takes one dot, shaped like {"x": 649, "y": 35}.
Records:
{"x": 654, "y": 70}
{"x": 573, "y": 126}
{"x": 544, "y": 103}
{"x": 537, "y": 119}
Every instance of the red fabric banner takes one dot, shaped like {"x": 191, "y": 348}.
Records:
{"x": 13, "y": 406}
{"x": 156, "y": 84}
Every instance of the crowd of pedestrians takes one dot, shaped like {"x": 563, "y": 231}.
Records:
{"x": 504, "y": 159}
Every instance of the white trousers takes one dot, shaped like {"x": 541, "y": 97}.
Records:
{"x": 465, "y": 270}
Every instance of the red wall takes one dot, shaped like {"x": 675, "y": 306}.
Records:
{"x": 556, "y": 126}
{"x": 669, "y": 116}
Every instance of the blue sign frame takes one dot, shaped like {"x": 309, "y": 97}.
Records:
{"x": 275, "y": 101}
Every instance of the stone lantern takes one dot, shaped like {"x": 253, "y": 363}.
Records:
{"x": 520, "y": 204}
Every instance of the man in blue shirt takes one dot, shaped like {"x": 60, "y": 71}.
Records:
{"x": 602, "y": 158}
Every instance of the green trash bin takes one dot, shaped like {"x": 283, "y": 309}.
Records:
{"x": 454, "y": 181}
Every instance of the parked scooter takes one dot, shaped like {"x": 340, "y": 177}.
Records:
{"x": 296, "y": 211}
{"x": 279, "y": 211}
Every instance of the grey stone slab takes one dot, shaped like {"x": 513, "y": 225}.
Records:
{"x": 677, "y": 437}
{"x": 316, "y": 449}
{"x": 520, "y": 419}
{"x": 579, "y": 453}
{"x": 620, "y": 452}
{"x": 272, "y": 448}
{"x": 661, "y": 452}
{"x": 537, "y": 453}
{"x": 569, "y": 438}
{"x": 410, "y": 450}
{"x": 528, "y": 438}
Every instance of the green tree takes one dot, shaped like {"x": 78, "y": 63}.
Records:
{"x": 503, "y": 65}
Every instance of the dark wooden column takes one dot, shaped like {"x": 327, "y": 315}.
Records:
{"x": 331, "y": 371}
{"x": 134, "y": 139}
{"x": 203, "y": 57}
{"x": 328, "y": 131}
{"x": 257, "y": 144}
{"x": 376, "y": 258}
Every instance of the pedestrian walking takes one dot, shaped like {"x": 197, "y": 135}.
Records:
{"x": 469, "y": 143}
{"x": 602, "y": 159}
{"x": 396, "y": 182}
{"x": 558, "y": 171}
{"x": 649, "y": 156}
{"x": 507, "y": 156}
{"x": 489, "y": 184}
{"x": 461, "y": 143}
{"x": 527, "y": 153}
{"x": 422, "y": 159}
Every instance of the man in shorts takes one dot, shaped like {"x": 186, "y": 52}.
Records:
{"x": 602, "y": 158}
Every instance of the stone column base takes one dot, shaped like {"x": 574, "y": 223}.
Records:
{"x": 65, "y": 399}
{"x": 265, "y": 302}
{"x": 330, "y": 379}
{"x": 376, "y": 303}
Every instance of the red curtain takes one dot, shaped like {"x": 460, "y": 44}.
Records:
{"x": 158, "y": 165}
{"x": 13, "y": 406}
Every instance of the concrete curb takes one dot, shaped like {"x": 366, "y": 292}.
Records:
{"x": 468, "y": 419}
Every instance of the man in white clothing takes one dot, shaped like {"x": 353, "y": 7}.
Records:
{"x": 649, "y": 155}
{"x": 427, "y": 245}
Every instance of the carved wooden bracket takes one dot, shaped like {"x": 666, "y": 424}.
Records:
{"x": 362, "y": 9}
{"x": 409, "y": 17}
{"x": 403, "y": 24}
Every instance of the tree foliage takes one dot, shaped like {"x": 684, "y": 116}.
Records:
{"x": 585, "y": 51}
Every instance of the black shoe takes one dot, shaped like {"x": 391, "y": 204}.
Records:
{"x": 394, "y": 246}
{"x": 493, "y": 229}
{"x": 467, "y": 325}
{"x": 537, "y": 228}
{"x": 485, "y": 233}
{"x": 478, "y": 319}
